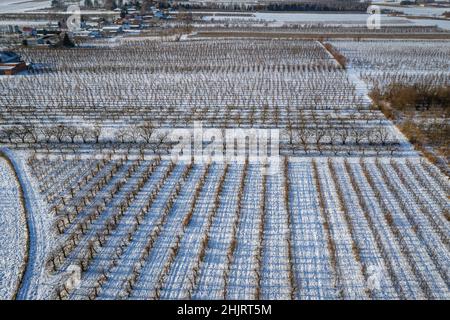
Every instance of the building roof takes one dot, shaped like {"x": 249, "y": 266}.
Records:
{"x": 9, "y": 56}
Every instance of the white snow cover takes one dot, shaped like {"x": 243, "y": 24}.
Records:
{"x": 36, "y": 282}
{"x": 12, "y": 232}
{"x": 319, "y": 212}
{"x": 14, "y": 6}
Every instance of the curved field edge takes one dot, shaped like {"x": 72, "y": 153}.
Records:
{"x": 6, "y": 155}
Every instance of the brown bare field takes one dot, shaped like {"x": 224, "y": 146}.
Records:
{"x": 421, "y": 113}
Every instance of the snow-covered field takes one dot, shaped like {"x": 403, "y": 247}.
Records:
{"x": 17, "y": 6}
{"x": 13, "y": 232}
{"x": 417, "y": 10}
{"x": 354, "y": 212}
{"x": 405, "y": 61}
{"x": 333, "y": 228}
{"x": 240, "y": 83}
{"x": 330, "y": 19}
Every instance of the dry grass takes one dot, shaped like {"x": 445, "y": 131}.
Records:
{"x": 24, "y": 213}
{"x": 421, "y": 113}
{"x": 447, "y": 215}
{"x": 340, "y": 58}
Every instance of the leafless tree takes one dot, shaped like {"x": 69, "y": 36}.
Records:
{"x": 343, "y": 134}
{"x": 357, "y": 134}
{"x": 382, "y": 134}
{"x": 146, "y": 131}
{"x": 319, "y": 134}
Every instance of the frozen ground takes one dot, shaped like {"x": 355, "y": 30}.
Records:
{"x": 382, "y": 226}
{"x": 328, "y": 18}
{"x": 35, "y": 283}
{"x": 352, "y": 227}
{"x": 12, "y": 232}
{"x": 14, "y": 6}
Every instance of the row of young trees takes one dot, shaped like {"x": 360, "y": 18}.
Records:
{"x": 194, "y": 276}
{"x": 93, "y": 246}
{"x": 336, "y": 140}
{"x": 130, "y": 282}
{"x": 100, "y": 97}
{"x": 30, "y": 133}
{"x": 299, "y": 137}
{"x": 80, "y": 225}
{"x": 396, "y": 55}
{"x": 187, "y": 218}
{"x": 392, "y": 223}
{"x": 391, "y": 174}
{"x": 137, "y": 224}
{"x": 234, "y": 230}
{"x": 148, "y": 54}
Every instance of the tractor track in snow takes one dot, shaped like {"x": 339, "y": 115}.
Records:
{"x": 6, "y": 155}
